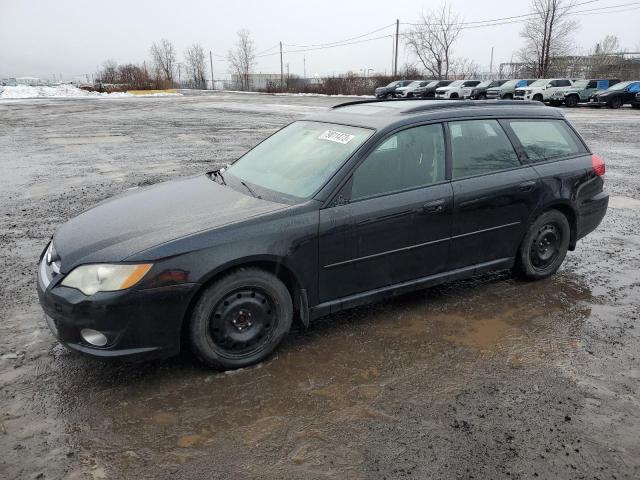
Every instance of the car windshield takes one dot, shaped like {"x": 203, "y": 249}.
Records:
{"x": 414, "y": 84}
{"x": 510, "y": 83}
{"x": 486, "y": 83}
{"x": 620, "y": 86}
{"x": 393, "y": 84}
{"x": 581, "y": 84}
{"x": 540, "y": 83}
{"x": 300, "y": 158}
{"x": 433, "y": 84}
{"x": 457, "y": 83}
{"x": 497, "y": 83}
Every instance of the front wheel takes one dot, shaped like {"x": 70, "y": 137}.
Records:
{"x": 544, "y": 246}
{"x": 615, "y": 102}
{"x": 240, "y": 319}
{"x": 571, "y": 101}
{"x": 538, "y": 98}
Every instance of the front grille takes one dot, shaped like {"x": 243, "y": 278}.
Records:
{"x": 520, "y": 93}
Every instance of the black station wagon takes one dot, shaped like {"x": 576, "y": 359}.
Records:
{"x": 364, "y": 201}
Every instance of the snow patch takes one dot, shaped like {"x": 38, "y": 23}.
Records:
{"x": 68, "y": 91}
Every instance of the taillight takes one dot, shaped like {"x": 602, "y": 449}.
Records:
{"x": 597, "y": 164}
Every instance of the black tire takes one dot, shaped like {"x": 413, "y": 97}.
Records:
{"x": 388, "y": 95}
{"x": 544, "y": 247}
{"x": 507, "y": 96}
{"x": 571, "y": 101}
{"x": 240, "y": 319}
{"x": 482, "y": 96}
{"x": 538, "y": 98}
{"x": 453, "y": 96}
{"x": 615, "y": 102}
{"x": 635, "y": 105}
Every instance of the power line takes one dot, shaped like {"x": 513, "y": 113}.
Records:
{"x": 341, "y": 41}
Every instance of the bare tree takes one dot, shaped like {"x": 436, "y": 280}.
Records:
{"x": 243, "y": 58}
{"x": 163, "y": 55}
{"x": 196, "y": 65}
{"x": 547, "y": 34}
{"x": 463, "y": 68}
{"x": 604, "y": 60}
{"x": 432, "y": 39}
{"x": 109, "y": 72}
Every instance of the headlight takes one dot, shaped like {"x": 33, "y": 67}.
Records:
{"x": 103, "y": 277}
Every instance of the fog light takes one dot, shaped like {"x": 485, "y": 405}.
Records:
{"x": 93, "y": 337}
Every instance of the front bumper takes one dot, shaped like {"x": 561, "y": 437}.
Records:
{"x": 139, "y": 323}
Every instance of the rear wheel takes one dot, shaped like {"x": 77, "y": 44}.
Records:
{"x": 538, "y": 98}
{"x": 240, "y": 319}
{"x": 615, "y": 102}
{"x": 544, "y": 246}
{"x": 571, "y": 101}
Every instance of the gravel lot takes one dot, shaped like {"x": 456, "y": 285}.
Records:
{"x": 486, "y": 378}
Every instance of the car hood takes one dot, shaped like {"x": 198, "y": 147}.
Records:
{"x": 444, "y": 89}
{"x": 143, "y": 218}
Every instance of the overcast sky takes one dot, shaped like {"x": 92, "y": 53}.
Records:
{"x": 42, "y": 38}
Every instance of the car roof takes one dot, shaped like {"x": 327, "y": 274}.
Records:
{"x": 379, "y": 114}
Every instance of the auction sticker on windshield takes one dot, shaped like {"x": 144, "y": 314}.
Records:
{"x": 338, "y": 137}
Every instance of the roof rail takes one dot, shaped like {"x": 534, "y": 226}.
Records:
{"x": 469, "y": 103}
{"x": 433, "y": 104}
{"x": 377, "y": 100}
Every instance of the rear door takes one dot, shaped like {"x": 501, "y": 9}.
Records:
{"x": 391, "y": 222}
{"x": 494, "y": 193}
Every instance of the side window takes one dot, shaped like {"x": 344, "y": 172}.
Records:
{"x": 564, "y": 83}
{"x": 592, "y": 84}
{"x": 634, "y": 88}
{"x": 410, "y": 158}
{"x": 480, "y": 146}
{"x": 545, "y": 139}
{"x": 553, "y": 83}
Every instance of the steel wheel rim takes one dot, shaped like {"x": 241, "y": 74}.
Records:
{"x": 243, "y": 322}
{"x": 545, "y": 248}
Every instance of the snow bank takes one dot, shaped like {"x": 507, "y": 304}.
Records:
{"x": 67, "y": 91}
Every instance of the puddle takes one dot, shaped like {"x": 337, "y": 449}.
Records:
{"x": 342, "y": 374}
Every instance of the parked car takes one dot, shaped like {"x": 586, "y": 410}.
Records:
{"x": 623, "y": 93}
{"x": 507, "y": 90}
{"x": 409, "y": 90}
{"x": 390, "y": 90}
{"x": 580, "y": 91}
{"x": 9, "y": 82}
{"x": 455, "y": 89}
{"x": 636, "y": 103}
{"x": 349, "y": 206}
{"x": 541, "y": 90}
{"x": 429, "y": 90}
{"x": 479, "y": 92}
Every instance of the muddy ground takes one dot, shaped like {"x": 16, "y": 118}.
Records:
{"x": 486, "y": 378}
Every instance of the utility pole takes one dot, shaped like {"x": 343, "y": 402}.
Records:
{"x": 491, "y": 63}
{"x": 281, "y": 70}
{"x": 304, "y": 61}
{"x": 213, "y": 85}
{"x": 393, "y": 52}
{"x": 395, "y": 62}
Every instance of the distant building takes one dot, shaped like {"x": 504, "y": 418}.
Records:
{"x": 257, "y": 81}
{"x": 31, "y": 81}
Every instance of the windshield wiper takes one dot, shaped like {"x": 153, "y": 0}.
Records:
{"x": 218, "y": 174}
{"x": 250, "y": 189}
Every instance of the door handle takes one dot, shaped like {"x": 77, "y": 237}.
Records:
{"x": 437, "y": 206}
{"x": 527, "y": 186}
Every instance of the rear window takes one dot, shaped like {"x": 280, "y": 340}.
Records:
{"x": 546, "y": 139}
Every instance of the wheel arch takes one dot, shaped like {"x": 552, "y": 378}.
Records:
{"x": 568, "y": 211}
{"x": 269, "y": 263}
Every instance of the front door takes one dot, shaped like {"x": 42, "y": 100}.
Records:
{"x": 395, "y": 221}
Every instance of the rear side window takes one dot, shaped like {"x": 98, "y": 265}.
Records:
{"x": 479, "y": 147}
{"x": 563, "y": 83}
{"x": 546, "y": 139}
{"x": 411, "y": 158}
{"x": 634, "y": 88}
